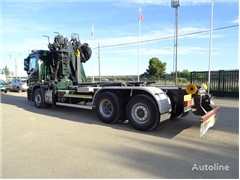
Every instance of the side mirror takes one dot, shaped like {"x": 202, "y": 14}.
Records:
{"x": 26, "y": 62}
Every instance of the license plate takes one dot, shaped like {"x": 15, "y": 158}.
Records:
{"x": 208, "y": 121}
{"x": 187, "y": 97}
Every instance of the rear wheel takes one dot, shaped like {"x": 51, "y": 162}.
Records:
{"x": 108, "y": 107}
{"x": 19, "y": 90}
{"x": 38, "y": 99}
{"x": 142, "y": 112}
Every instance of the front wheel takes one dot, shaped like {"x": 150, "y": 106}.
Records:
{"x": 142, "y": 112}
{"x": 38, "y": 99}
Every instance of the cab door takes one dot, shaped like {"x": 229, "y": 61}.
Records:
{"x": 33, "y": 68}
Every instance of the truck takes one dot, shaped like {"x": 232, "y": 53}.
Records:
{"x": 56, "y": 77}
{"x": 2, "y": 75}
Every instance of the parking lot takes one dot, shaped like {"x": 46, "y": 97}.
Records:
{"x": 74, "y": 143}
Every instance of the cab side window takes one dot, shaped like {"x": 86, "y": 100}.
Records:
{"x": 32, "y": 63}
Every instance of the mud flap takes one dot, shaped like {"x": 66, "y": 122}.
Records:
{"x": 208, "y": 120}
{"x": 29, "y": 95}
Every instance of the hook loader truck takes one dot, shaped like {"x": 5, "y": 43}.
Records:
{"x": 56, "y": 77}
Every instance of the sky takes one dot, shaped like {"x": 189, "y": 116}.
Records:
{"x": 117, "y": 31}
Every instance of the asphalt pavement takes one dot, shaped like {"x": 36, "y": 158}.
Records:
{"x": 73, "y": 143}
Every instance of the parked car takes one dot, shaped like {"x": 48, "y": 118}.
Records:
{"x": 19, "y": 85}
{"x": 4, "y": 86}
{"x": 104, "y": 79}
{"x": 130, "y": 79}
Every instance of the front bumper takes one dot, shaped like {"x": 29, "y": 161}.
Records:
{"x": 5, "y": 89}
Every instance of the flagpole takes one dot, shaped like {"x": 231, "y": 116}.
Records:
{"x": 139, "y": 33}
{"x": 92, "y": 52}
{"x": 210, "y": 49}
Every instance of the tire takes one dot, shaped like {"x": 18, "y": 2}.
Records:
{"x": 6, "y": 91}
{"x": 108, "y": 107}
{"x": 178, "y": 111}
{"x": 38, "y": 99}
{"x": 142, "y": 112}
{"x": 86, "y": 52}
{"x": 19, "y": 90}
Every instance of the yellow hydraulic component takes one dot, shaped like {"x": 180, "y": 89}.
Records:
{"x": 77, "y": 53}
{"x": 191, "y": 89}
{"x": 204, "y": 86}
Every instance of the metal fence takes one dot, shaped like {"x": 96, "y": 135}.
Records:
{"x": 166, "y": 80}
{"x": 222, "y": 83}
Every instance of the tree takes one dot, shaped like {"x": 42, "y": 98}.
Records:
{"x": 185, "y": 74}
{"x": 6, "y": 71}
{"x": 156, "y": 68}
{"x": 182, "y": 74}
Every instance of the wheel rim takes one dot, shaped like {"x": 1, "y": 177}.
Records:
{"x": 38, "y": 99}
{"x": 140, "y": 113}
{"x": 106, "y": 108}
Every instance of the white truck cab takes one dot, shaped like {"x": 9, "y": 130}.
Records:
{"x": 2, "y": 75}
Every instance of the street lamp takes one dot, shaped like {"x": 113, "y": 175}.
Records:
{"x": 175, "y": 4}
{"x": 10, "y": 66}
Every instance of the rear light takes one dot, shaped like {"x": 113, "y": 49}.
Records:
{"x": 189, "y": 103}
